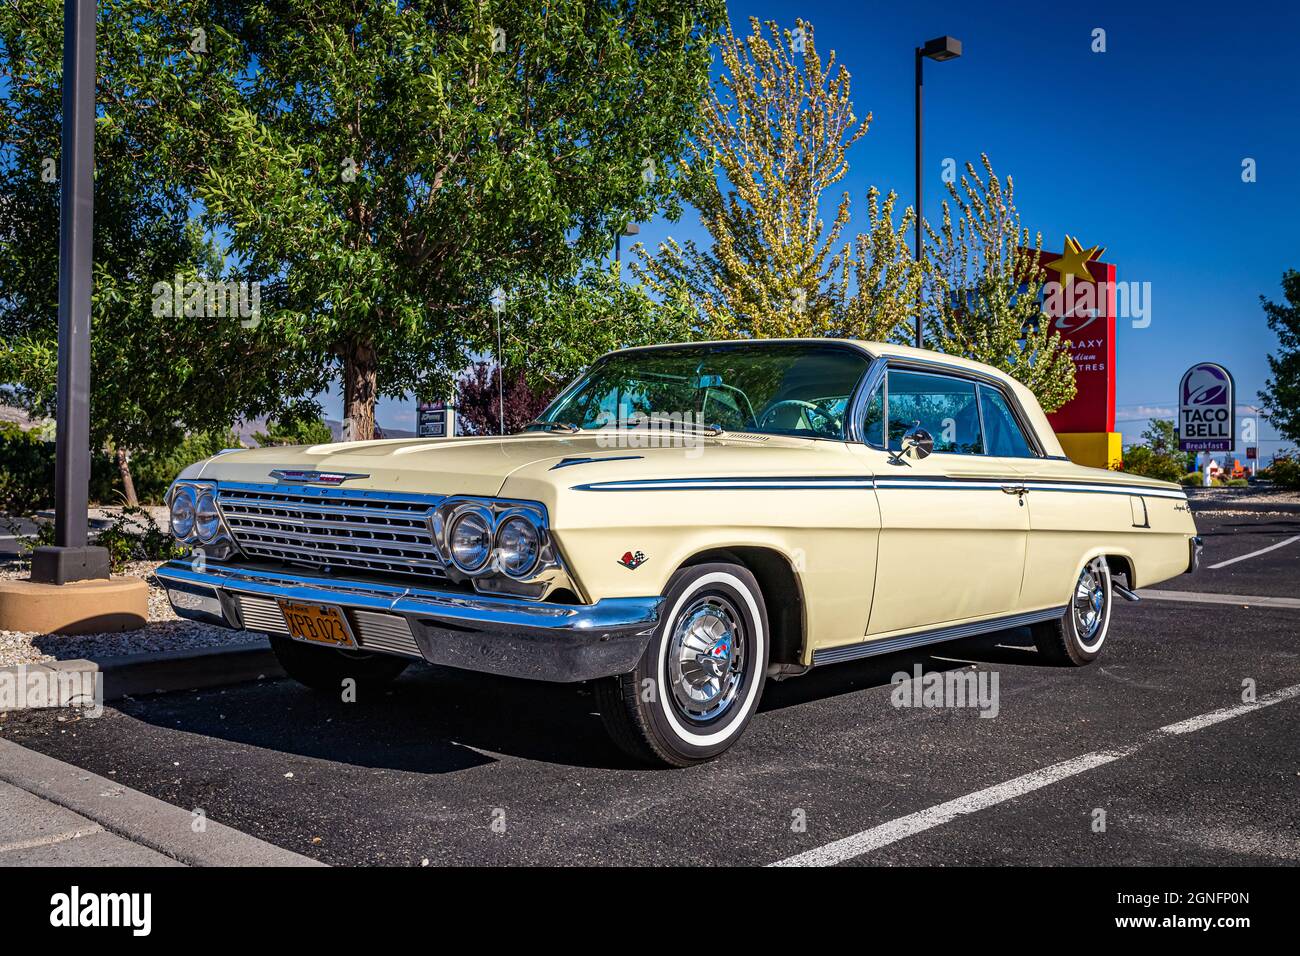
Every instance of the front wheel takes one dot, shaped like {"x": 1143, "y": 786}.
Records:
{"x": 1075, "y": 638}
{"x": 701, "y": 677}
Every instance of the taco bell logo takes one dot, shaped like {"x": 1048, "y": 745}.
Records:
{"x": 1206, "y": 409}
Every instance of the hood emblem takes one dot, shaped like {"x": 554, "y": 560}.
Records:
{"x": 632, "y": 560}
{"x": 297, "y": 477}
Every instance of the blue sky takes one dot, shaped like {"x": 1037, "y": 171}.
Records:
{"x": 1138, "y": 149}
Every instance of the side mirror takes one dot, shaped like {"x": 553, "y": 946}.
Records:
{"x": 917, "y": 442}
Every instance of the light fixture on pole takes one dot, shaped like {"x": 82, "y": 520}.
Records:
{"x": 939, "y": 49}
{"x": 631, "y": 229}
{"x": 498, "y": 300}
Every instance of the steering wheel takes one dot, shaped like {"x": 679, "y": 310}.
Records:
{"x": 834, "y": 423}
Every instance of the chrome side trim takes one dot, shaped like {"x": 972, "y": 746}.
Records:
{"x": 730, "y": 484}
{"x": 903, "y": 642}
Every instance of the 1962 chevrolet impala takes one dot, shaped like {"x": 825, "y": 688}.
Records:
{"x": 682, "y": 523}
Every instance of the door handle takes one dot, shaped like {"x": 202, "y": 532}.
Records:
{"x": 1015, "y": 489}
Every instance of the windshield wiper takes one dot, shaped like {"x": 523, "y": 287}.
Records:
{"x": 567, "y": 428}
{"x": 711, "y": 430}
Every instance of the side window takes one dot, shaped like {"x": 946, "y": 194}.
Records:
{"x": 1004, "y": 436}
{"x": 945, "y": 407}
{"x": 873, "y": 420}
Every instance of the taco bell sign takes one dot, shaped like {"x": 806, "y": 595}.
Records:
{"x": 1206, "y": 409}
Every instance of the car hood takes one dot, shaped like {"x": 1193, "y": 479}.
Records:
{"x": 481, "y": 466}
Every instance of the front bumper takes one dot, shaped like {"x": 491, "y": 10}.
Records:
{"x": 498, "y": 635}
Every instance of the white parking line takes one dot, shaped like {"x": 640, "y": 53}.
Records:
{"x": 1205, "y": 597}
{"x": 1271, "y": 547}
{"x": 913, "y": 823}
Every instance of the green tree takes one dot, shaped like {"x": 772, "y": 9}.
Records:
{"x": 982, "y": 296}
{"x": 1157, "y": 455}
{"x": 775, "y": 139}
{"x": 154, "y": 376}
{"x": 311, "y": 431}
{"x": 383, "y": 166}
{"x": 582, "y": 318}
{"x": 1281, "y": 394}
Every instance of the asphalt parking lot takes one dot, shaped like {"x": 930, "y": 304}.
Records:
{"x": 456, "y": 768}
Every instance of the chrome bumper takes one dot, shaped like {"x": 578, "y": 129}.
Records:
{"x": 498, "y": 635}
{"x": 1195, "y": 545}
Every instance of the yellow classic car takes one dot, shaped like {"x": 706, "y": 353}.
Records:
{"x": 681, "y": 524}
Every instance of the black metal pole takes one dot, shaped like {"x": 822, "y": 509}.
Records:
{"x": 70, "y": 559}
{"x": 919, "y": 59}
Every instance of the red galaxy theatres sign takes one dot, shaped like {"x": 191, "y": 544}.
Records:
{"x": 1079, "y": 295}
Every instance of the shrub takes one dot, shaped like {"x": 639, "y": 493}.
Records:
{"x": 26, "y": 470}
{"x": 1285, "y": 471}
{"x": 154, "y": 471}
{"x": 1193, "y": 479}
{"x": 133, "y": 535}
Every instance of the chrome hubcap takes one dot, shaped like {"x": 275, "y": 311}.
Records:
{"x": 1090, "y": 602}
{"x": 706, "y": 658}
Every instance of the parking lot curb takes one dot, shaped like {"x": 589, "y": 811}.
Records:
{"x": 190, "y": 669}
{"x": 132, "y": 675}
{"x": 184, "y": 835}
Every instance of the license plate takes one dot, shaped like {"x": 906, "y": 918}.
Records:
{"x": 317, "y": 623}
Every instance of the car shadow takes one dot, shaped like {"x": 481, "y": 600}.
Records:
{"x": 436, "y": 720}
{"x": 432, "y": 720}
{"x": 1002, "y": 647}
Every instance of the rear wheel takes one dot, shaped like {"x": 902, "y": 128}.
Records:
{"x": 1075, "y": 639}
{"x": 325, "y": 669}
{"x": 701, "y": 677}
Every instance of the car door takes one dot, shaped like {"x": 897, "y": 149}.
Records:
{"x": 954, "y": 524}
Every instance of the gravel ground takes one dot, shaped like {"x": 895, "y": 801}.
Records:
{"x": 164, "y": 632}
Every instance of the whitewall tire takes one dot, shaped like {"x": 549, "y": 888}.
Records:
{"x": 701, "y": 677}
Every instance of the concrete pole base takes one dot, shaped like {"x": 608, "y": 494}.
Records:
{"x": 83, "y": 607}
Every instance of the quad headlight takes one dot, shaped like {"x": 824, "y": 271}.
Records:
{"x": 519, "y": 543}
{"x": 207, "y": 520}
{"x": 196, "y": 520}
{"x": 182, "y": 512}
{"x": 502, "y": 546}
{"x": 469, "y": 539}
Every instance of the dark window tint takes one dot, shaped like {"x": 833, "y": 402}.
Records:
{"x": 1002, "y": 432}
{"x": 945, "y": 407}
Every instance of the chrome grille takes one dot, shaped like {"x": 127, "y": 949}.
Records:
{"x": 261, "y": 614}
{"x": 385, "y": 632}
{"x": 330, "y": 528}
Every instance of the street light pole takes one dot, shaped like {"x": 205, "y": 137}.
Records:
{"x": 71, "y": 559}
{"x": 939, "y": 49}
{"x": 498, "y": 300}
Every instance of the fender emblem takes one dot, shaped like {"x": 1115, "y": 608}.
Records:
{"x": 296, "y": 477}
{"x": 632, "y": 561}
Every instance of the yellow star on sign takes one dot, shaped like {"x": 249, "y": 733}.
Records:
{"x": 1073, "y": 261}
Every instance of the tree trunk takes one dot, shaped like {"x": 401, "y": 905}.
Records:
{"x": 360, "y": 378}
{"x": 128, "y": 483}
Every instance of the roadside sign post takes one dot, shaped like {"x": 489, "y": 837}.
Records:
{"x": 1207, "y": 411}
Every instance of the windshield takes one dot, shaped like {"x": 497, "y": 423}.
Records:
{"x": 778, "y": 388}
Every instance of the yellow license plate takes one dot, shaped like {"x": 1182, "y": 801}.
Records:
{"x": 317, "y": 623}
